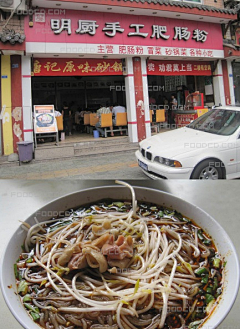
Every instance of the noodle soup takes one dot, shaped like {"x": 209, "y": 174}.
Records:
{"x": 119, "y": 264}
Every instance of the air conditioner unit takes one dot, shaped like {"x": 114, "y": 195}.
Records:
{"x": 9, "y": 5}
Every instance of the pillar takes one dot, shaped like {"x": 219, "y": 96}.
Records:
{"x": 130, "y": 100}
{"x": 139, "y": 99}
{"x": 136, "y": 86}
{"x": 219, "y": 95}
{"x": 226, "y": 82}
{"x": 230, "y": 80}
{"x": 27, "y": 99}
{"x": 146, "y": 97}
{"x": 17, "y": 113}
{"x": 6, "y": 105}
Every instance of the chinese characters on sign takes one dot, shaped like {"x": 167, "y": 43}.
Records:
{"x": 158, "y": 32}
{"x": 86, "y": 27}
{"x": 178, "y": 68}
{"x": 61, "y": 67}
{"x": 113, "y": 28}
{"x": 58, "y": 25}
{"x": 184, "y": 119}
{"x": 152, "y": 50}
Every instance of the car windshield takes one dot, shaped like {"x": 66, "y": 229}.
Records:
{"x": 217, "y": 121}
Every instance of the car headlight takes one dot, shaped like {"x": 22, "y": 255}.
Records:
{"x": 161, "y": 160}
{"x": 168, "y": 162}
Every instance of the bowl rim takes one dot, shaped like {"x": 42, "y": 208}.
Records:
{"x": 118, "y": 186}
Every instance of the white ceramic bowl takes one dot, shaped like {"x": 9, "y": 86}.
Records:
{"x": 221, "y": 239}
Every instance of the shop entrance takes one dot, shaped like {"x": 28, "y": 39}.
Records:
{"x": 86, "y": 92}
{"x": 183, "y": 98}
{"x": 79, "y": 94}
{"x": 161, "y": 88}
{"x": 183, "y": 88}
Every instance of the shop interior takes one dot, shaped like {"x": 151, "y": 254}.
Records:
{"x": 162, "y": 87}
{"x": 78, "y": 94}
{"x": 85, "y": 92}
{"x": 82, "y": 94}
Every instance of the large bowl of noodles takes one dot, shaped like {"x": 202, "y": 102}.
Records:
{"x": 120, "y": 257}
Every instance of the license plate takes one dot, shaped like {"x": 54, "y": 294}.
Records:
{"x": 143, "y": 165}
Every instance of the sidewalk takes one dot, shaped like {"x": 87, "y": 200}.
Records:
{"x": 120, "y": 166}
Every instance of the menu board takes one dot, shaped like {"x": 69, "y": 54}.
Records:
{"x": 44, "y": 119}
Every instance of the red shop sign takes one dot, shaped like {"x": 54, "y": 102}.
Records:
{"x": 178, "y": 68}
{"x": 74, "y": 66}
{"x": 88, "y": 27}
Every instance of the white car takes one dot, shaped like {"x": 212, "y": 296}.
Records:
{"x": 207, "y": 148}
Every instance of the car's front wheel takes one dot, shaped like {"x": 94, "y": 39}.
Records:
{"x": 208, "y": 169}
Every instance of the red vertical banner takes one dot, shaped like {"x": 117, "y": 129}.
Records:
{"x": 16, "y": 91}
{"x": 138, "y": 89}
{"x": 226, "y": 82}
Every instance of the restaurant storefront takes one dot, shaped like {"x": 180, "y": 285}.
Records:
{"x": 95, "y": 57}
{"x": 94, "y": 44}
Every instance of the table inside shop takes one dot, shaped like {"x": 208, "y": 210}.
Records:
{"x": 19, "y": 199}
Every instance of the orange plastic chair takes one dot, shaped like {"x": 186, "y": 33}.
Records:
{"x": 86, "y": 119}
{"x": 160, "y": 116}
{"x": 151, "y": 115}
{"x": 106, "y": 120}
{"x": 121, "y": 119}
{"x": 93, "y": 119}
{"x": 60, "y": 122}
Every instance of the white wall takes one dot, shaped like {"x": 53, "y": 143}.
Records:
{"x": 130, "y": 100}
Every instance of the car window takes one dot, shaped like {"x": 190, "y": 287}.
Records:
{"x": 217, "y": 121}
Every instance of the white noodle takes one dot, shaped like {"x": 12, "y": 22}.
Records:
{"x": 152, "y": 279}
